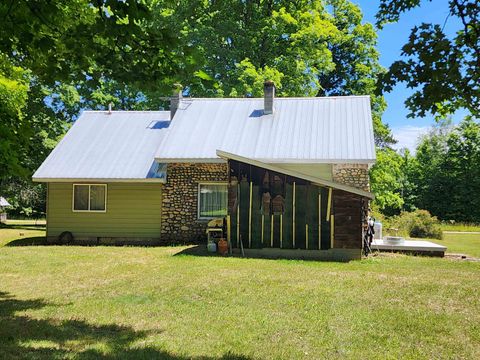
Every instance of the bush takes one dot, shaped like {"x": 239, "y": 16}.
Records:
{"x": 419, "y": 224}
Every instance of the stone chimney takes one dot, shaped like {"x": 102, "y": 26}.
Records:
{"x": 268, "y": 96}
{"x": 175, "y": 99}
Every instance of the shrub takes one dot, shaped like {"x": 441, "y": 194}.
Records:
{"x": 419, "y": 224}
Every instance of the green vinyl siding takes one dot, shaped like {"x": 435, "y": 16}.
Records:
{"x": 133, "y": 210}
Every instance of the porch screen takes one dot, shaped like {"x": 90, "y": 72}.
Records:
{"x": 212, "y": 200}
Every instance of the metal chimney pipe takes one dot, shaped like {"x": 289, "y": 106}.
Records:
{"x": 268, "y": 96}
{"x": 175, "y": 99}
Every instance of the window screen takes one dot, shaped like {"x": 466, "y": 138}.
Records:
{"x": 89, "y": 197}
{"x": 97, "y": 197}
{"x": 212, "y": 200}
{"x": 80, "y": 197}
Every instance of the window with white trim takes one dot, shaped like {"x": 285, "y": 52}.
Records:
{"x": 212, "y": 200}
{"x": 89, "y": 197}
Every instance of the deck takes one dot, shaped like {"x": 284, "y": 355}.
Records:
{"x": 420, "y": 247}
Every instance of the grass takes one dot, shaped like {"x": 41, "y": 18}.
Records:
{"x": 131, "y": 302}
{"x": 458, "y": 243}
{"x": 28, "y": 222}
{"x": 26, "y": 232}
{"x": 460, "y": 227}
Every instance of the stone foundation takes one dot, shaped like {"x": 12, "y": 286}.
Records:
{"x": 355, "y": 175}
{"x": 180, "y": 223}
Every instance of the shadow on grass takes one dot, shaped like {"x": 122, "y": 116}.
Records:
{"x": 196, "y": 250}
{"x": 276, "y": 254}
{"x": 23, "y": 226}
{"x": 30, "y": 241}
{"x": 22, "y": 337}
{"x": 28, "y": 228}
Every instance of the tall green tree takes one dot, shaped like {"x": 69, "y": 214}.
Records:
{"x": 81, "y": 40}
{"x": 430, "y": 153}
{"x": 444, "y": 70}
{"x": 60, "y": 56}
{"x": 409, "y": 174}
{"x": 14, "y": 128}
{"x": 308, "y": 48}
{"x": 75, "y": 54}
{"x": 449, "y": 173}
{"x": 386, "y": 182}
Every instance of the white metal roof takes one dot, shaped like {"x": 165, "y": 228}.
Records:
{"x": 4, "y": 202}
{"x": 119, "y": 146}
{"x": 301, "y": 130}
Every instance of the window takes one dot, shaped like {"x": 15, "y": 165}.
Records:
{"x": 212, "y": 200}
{"x": 90, "y": 197}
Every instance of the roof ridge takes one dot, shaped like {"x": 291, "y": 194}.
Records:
{"x": 278, "y": 98}
{"x": 129, "y": 111}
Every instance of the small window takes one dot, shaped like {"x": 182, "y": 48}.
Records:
{"x": 212, "y": 200}
{"x": 90, "y": 197}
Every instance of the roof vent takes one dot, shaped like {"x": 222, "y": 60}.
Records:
{"x": 175, "y": 99}
{"x": 268, "y": 96}
{"x": 110, "y": 108}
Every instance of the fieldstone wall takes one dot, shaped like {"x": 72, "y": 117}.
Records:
{"x": 355, "y": 175}
{"x": 350, "y": 210}
{"x": 180, "y": 223}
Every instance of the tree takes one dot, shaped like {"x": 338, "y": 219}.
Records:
{"x": 59, "y": 56}
{"x": 459, "y": 174}
{"x": 62, "y": 56}
{"x": 448, "y": 175}
{"x": 80, "y": 40}
{"x": 445, "y": 69}
{"x": 14, "y": 129}
{"x": 409, "y": 170}
{"x": 307, "y": 48}
{"x": 385, "y": 178}
{"x": 430, "y": 153}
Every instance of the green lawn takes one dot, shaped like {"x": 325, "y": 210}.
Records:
{"x": 127, "y": 302}
{"x": 460, "y": 227}
{"x": 468, "y": 244}
{"x": 22, "y": 231}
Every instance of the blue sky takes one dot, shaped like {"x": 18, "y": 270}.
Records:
{"x": 390, "y": 41}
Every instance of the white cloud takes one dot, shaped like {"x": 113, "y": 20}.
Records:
{"x": 408, "y": 136}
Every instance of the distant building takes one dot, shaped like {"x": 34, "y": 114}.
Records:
{"x": 3, "y": 205}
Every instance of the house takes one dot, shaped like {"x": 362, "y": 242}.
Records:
{"x": 286, "y": 173}
{"x": 3, "y": 205}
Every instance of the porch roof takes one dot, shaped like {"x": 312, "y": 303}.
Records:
{"x": 315, "y": 180}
